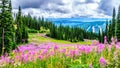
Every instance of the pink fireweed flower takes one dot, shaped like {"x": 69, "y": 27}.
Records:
{"x": 116, "y": 40}
{"x": 82, "y": 48}
{"x": 112, "y": 39}
{"x": 90, "y": 65}
{"x": 100, "y": 48}
{"x": 6, "y": 54}
{"x": 95, "y": 42}
{"x": 102, "y": 61}
{"x": 4, "y": 60}
{"x": 88, "y": 49}
{"x": 76, "y": 52}
{"x": 56, "y": 47}
{"x": 25, "y": 60}
{"x": 48, "y": 47}
{"x": 72, "y": 52}
{"x": 44, "y": 52}
{"x": 63, "y": 50}
{"x": 15, "y": 51}
{"x": 85, "y": 49}
{"x": 105, "y": 39}
{"x": 40, "y": 57}
{"x": 52, "y": 53}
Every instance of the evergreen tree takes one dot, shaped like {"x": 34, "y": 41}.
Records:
{"x": 99, "y": 36}
{"x": 118, "y": 25}
{"x": 6, "y": 27}
{"x": 25, "y": 35}
{"x": 19, "y": 30}
{"x": 113, "y": 22}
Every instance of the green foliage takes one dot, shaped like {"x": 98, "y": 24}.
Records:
{"x": 73, "y": 34}
{"x": 7, "y": 41}
{"x": 113, "y": 28}
{"x": 21, "y": 31}
{"x": 118, "y": 25}
{"x": 43, "y": 30}
{"x": 19, "y": 27}
{"x": 25, "y": 35}
{"x": 32, "y": 31}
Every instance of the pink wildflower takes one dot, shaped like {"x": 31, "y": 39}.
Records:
{"x": 56, "y": 47}
{"x": 40, "y": 57}
{"x": 102, "y": 61}
{"x": 105, "y": 39}
{"x": 100, "y": 47}
{"x": 63, "y": 50}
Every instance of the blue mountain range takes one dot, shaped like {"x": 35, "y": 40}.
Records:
{"x": 89, "y": 24}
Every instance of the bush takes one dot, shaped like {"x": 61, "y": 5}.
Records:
{"x": 32, "y": 31}
{"x": 43, "y": 30}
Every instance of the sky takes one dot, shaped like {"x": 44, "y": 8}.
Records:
{"x": 66, "y": 8}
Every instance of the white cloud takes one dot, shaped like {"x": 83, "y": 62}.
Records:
{"x": 67, "y": 8}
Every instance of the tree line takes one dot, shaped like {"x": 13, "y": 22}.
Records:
{"x": 112, "y": 28}
{"x": 72, "y": 34}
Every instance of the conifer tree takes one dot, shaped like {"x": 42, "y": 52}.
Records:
{"x": 99, "y": 36}
{"x": 113, "y": 22}
{"x": 19, "y": 27}
{"x": 6, "y": 27}
{"x": 25, "y": 35}
{"x": 118, "y": 25}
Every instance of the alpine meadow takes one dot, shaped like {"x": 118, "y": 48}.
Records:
{"x": 59, "y": 34}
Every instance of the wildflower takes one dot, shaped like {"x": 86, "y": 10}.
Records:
{"x": 56, "y": 47}
{"x": 40, "y": 57}
{"x": 112, "y": 39}
{"x": 72, "y": 52}
{"x": 95, "y": 42}
{"x": 90, "y": 65}
{"x": 44, "y": 52}
{"x": 51, "y": 53}
{"x": 100, "y": 47}
{"x": 105, "y": 39}
{"x": 63, "y": 51}
{"x": 88, "y": 49}
{"x": 102, "y": 61}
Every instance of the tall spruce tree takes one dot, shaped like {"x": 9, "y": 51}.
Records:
{"x": 113, "y": 22}
{"x": 118, "y": 25}
{"x": 99, "y": 36}
{"x": 25, "y": 35}
{"x": 19, "y": 27}
{"x": 6, "y": 27}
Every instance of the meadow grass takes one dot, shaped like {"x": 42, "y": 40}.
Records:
{"x": 36, "y": 38}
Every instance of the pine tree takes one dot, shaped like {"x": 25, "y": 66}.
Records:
{"x": 118, "y": 25}
{"x": 25, "y": 35}
{"x": 113, "y": 22}
{"x": 99, "y": 36}
{"x": 19, "y": 27}
{"x": 6, "y": 27}
{"x": 12, "y": 25}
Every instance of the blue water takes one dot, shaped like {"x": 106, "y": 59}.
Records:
{"x": 89, "y": 24}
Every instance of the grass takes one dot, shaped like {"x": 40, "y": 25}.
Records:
{"x": 36, "y": 38}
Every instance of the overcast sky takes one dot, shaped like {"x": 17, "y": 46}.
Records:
{"x": 67, "y": 8}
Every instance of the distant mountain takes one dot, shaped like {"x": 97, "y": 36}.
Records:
{"x": 89, "y": 24}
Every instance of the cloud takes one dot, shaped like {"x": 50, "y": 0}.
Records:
{"x": 106, "y": 6}
{"x": 66, "y": 8}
